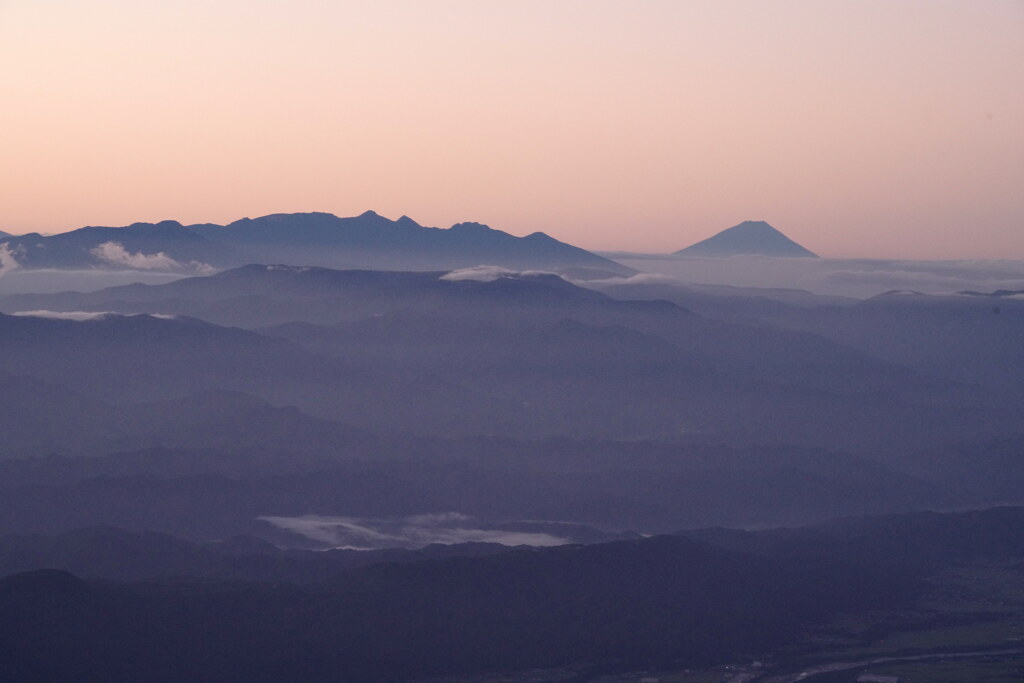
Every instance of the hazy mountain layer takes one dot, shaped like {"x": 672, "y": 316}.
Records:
{"x": 509, "y": 354}
{"x": 373, "y": 378}
{"x": 968, "y": 338}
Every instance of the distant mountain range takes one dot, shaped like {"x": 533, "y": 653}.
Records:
{"x": 749, "y": 238}
{"x": 322, "y": 239}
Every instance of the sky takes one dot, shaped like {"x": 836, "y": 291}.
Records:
{"x": 858, "y": 128}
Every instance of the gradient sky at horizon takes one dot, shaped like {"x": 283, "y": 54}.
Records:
{"x": 867, "y": 128}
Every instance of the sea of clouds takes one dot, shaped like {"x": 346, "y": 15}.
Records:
{"x": 860, "y": 278}
{"x": 48, "y": 281}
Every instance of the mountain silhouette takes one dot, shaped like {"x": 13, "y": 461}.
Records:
{"x": 748, "y": 238}
{"x": 370, "y": 240}
{"x": 316, "y": 239}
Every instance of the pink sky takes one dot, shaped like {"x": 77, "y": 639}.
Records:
{"x": 883, "y": 129}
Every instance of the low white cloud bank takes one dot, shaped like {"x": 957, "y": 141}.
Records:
{"x": 489, "y": 273}
{"x": 66, "y": 315}
{"x": 448, "y": 528}
{"x": 80, "y": 316}
{"x": 114, "y": 254}
{"x": 7, "y": 260}
{"x": 637, "y": 279}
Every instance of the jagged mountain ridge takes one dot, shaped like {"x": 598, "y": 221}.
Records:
{"x": 323, "y": 239}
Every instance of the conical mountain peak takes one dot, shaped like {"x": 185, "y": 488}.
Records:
{"x": 749, "y": 238}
